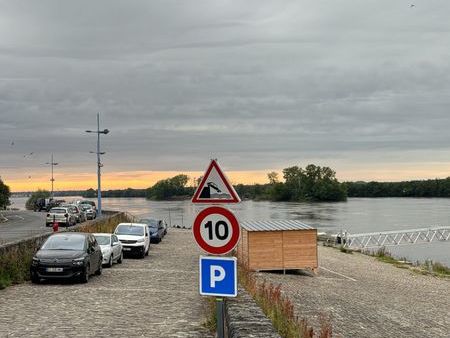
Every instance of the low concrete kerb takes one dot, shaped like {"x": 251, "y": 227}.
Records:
{"x": 245, "y": 319}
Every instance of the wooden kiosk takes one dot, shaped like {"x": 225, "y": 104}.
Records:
{"x": 277, "y": 245}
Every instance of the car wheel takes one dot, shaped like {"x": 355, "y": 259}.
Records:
{"x": 120, "y": 258}
{"x": 84, "y": 278}
{"x": 110, "y": 263}
{"x": 100, "y": 268}
{"x": 143, "y": 252}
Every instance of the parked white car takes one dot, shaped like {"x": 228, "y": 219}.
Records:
{"x": 62, "y": 216}
{"x": 134, "y": 237}
{"x": 111, "y": 248}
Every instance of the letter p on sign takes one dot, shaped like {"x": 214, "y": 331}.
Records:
{"x": 218, "y": 276}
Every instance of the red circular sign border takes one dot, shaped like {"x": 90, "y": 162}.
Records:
{"x": 214, "y": 250}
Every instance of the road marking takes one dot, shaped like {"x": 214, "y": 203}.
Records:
{"x": 23, "y": 219}
{"x": 339, "y": 274}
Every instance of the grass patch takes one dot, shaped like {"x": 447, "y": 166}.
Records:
{"x": 436, "y": 268}
{"x": 427, "y": 268}
{"x": 209, "y": 310}
{"x": 15, "y": 260}
{"x": 280, "y": 310}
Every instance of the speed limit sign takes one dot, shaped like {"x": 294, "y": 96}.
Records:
{"x": 216, "y": 230}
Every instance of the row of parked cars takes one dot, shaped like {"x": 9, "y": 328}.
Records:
{"x": 78, "y": 255}
{"x": 68, "y": 214}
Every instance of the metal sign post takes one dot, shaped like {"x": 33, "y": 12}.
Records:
{"x": 216, "y": 231}
{"x": 220, "y": 318}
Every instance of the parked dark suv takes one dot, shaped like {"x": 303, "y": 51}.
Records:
{"x": 156, "y": 229}
{"x": 67, "y": 255}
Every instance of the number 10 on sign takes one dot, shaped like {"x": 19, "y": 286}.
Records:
{"x": 216, "y": 230}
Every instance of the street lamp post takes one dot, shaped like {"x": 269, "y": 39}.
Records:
{"x": 99, "y": 164}
{"x": 52, "y": 164}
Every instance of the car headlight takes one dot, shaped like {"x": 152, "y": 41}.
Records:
{"x": 78, "y": 261}
{"x": 140, "y": 240}
{"x": 35, "y": 261}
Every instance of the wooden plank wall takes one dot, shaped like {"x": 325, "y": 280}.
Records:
{"x": 242, "y": 248}
{"x": 265, "y": 250}
{"x": 277, "y": 250}
{"x": 300, "y": 249}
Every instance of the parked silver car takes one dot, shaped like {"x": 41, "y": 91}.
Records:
{"x": 62, "y": 215}
{"x": 111, "y": 248}
{"x": 80, "y": 215}
{"x": 88, "y": 210}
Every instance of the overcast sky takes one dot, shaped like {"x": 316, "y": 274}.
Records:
{"x": 361, "y": 86}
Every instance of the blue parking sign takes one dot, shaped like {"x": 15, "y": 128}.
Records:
{"x": 218, "y": 276}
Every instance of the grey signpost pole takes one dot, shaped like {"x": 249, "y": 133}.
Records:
{"x": 220, "y": 318}
{"x": 99, "y": 163}
{"x": 52, "y": 164}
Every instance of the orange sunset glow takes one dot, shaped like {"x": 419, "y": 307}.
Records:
{"x": 145, "y": 179}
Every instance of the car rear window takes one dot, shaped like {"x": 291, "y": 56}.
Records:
{"x": 64, "y": 242}
{"x": 58, "y": 211}
{"x": 149, "y": 222}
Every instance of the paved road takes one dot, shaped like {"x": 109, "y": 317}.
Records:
{"x": 368, "y": 298}
{"x": 21, "y": 224}
{"x": 153, "y": 297}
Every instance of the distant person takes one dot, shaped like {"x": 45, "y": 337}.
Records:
{"x": 339, "y": 238}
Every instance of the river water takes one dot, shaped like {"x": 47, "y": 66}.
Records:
{"x": 357, "y": 215}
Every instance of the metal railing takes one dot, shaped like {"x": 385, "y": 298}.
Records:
{"x": 393, "y": 238}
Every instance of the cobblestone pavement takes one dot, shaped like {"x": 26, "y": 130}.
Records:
{"x": 368, "y": 298}
{"x": 154, "y": 297}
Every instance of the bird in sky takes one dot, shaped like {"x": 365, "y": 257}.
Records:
{"x": 12, "y": 143}
{"x": 412, "y": 5}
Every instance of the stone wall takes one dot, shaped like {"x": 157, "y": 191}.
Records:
{"x": 245, "y": 319}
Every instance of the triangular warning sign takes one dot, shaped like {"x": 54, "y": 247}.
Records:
{"x": 215, "y": 187}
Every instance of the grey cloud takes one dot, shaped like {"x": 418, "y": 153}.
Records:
{"x": 259, "y": 85}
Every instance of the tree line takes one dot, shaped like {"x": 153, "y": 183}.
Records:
{"x": 312, "y": 183}
{"x": 418, "y": 188}
{"x": 5, "y": 194}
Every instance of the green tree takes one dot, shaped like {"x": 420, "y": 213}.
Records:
{"x": 169, "y": 188}
{"x": 5, "y": 193}
{"x": 34, "y": 197}
{"x": 90, "y": 193}
{"x": 273, "y": 177}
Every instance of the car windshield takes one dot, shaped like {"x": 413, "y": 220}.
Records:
{"x": 103, "y": 239}
{"x": 65, "y": 242}
{"x": 58, "y": 211}
{"x": 150, "y": 222}
{"x": 88, "y": 203}
{"x": 128, "y": 229}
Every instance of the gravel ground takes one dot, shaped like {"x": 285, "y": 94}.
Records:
{"x": 152, "y": 297}
{"x": 368, "y": 298}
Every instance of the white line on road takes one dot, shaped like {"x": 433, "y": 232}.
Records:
{"x": 339, "y": 274}
{"x": 23, "y": 219}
